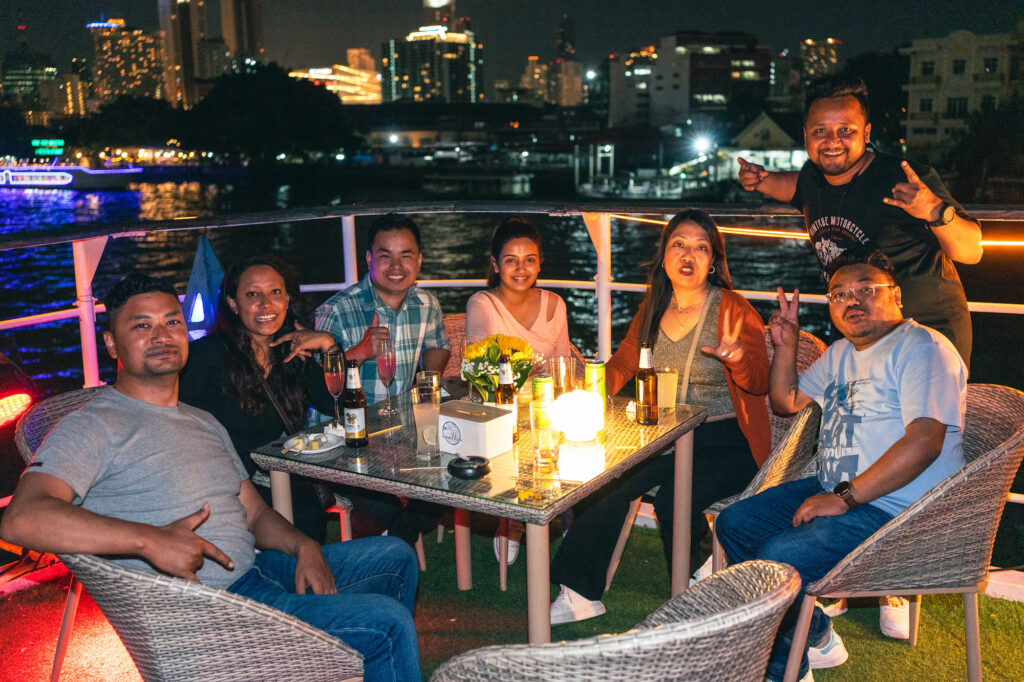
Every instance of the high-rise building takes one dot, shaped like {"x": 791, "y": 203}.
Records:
{"x": 64, "y": 96}
{"x": 24, "y": 70}
{"x": 359, "y": 58}
{"x": 242, "y": 25}
{"x": 439, "y": 63}
{"x": 126, "y": 61}
{"x": 686, "y": 74}
{"x": 819, "y": 57}
{"x": 351, "y": 85}
{"x": 533, "y": 85}
{"x": 183, "y": 23}
{"x": 565, "y": 73}
{"x": 953, "y": 76}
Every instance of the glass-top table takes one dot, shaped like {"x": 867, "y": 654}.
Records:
{"x": 514, "y": 488}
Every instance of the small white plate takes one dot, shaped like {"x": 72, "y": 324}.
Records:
{"x": 330, "y": 442}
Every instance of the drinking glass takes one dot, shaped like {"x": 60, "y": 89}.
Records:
{"x": 386, "y": 372}
{"x": 334, "y": 374}
{"x": 563, "y": 372}
{"x": 429, "y": 378}
{"x": 426, "y": 410}
{"x": 668, "y": 385}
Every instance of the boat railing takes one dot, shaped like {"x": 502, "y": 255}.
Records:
{"x": 88, "y": 241}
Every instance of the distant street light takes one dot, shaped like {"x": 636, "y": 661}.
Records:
{"x": 702, "y": 145}
{"x": 393, "y": 138}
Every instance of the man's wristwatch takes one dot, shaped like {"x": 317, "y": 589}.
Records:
{"x": 946, "y": 215}
{"x": 844, "y": 491}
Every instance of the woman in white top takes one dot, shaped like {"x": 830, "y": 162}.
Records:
{"x": 512, "y": 303}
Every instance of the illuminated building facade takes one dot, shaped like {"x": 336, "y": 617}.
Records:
{"x": 951, "y": 77}
{"x": 819, "y": 57}
{"x": 24, "y": 71}
{"x": 352, "y": 86}
{"x": 183, "y": 23}
{"x": 126, "y": 61}
{"x": 434, "y": 64}
{"x": 686, "y": 74}
{"x": 242, "y": 25}
{"x": 533, "y": 85}
{"x": 64, "y": 96}
{"x": 359, "y": 58}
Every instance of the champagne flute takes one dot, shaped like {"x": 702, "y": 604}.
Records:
{"x": 386, "y": 366}
{"x": 334, "y": 374}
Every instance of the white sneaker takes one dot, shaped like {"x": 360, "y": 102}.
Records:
{"x": 830, "y": 654}
{"x": 894, "y": 617}
{"x": 836, "y": 608}
{"x": 703, "y": 572}
{"x": 513, "y": 550}
{"x": 570, "y": 606}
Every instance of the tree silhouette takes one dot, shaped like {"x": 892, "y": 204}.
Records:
{"x": 263, "y": 113}
{"x": 884, "y": 74}
{"x": 125, "y": 121}
{"x": 990, "y": 146}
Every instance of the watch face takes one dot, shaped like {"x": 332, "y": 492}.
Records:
{"x": 842, "y": 488}
{"x": 948, "y": 214}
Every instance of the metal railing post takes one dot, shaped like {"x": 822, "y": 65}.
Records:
{"x": 348, "y": 246}
{"x": 599, "y": 225}
{"x": 86, "y": 253}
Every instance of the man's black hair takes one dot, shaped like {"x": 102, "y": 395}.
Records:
{"x": 394, "y": 221}
{"x": 874, "y": 258}
{"x": 134, "y": 284}
{"x": 831, "y": 87}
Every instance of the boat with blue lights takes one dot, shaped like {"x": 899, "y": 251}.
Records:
{"x": 68, "y": 177}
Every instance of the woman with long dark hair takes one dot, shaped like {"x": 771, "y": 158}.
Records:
{"x": 254, "y": 372}
{"x": 696, "y": 324}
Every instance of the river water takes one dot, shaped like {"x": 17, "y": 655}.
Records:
{"x": 455, "y": 246}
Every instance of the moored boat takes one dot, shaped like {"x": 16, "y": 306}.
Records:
{"x": 67, "y": 177}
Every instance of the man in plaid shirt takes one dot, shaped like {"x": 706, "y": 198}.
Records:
{"x": 387, "y": 304}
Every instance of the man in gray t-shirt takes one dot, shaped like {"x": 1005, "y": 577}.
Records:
{"x": 135, "y": 473}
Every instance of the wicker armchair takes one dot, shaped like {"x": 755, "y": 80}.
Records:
{"x": 792, "y": 447}
{"x": 697, "y": 635}
{"x": 175, "y": 629}
{"x": 942, "y": 543}
{"x": 31, "y": 429}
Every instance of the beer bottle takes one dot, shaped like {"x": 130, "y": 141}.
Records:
{"x": 506, "y": 394}
{"x": 646, "y": 389}
{"x": 354, "y": 404}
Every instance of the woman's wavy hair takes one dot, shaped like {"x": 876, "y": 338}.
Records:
{"x": 506, "y": 231}
{"x": 241, "y": 371}
{"x": 659, "y": 287}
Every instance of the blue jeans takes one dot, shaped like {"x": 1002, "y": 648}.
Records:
{"x": 372, "y": 611}
{"x": 761, "y": 527}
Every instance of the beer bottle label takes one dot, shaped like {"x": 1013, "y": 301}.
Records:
{"x": 355, "y": 422}
{"x": 505, "y": 374}
{"x": 352, "y": 378}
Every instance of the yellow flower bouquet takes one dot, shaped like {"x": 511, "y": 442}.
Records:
{"x": 480, "y": 363}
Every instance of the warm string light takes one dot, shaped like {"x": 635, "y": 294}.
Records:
{"x": 786, "y": 234}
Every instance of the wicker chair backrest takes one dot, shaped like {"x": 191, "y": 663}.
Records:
{"x": 694, "y": 636}
{"x": 175, "y": 629}
{"x": 40, "y": 419}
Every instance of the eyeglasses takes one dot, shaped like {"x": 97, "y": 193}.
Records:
{"x": 861, "y": 293}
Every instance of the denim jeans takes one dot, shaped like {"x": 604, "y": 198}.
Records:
{"x": 372, "y": 611}
{"x": 761, "y": 527}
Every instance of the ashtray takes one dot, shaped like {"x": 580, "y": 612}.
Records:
{"x": 468, "y": 467}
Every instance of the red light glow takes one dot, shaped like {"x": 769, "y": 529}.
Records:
{"x": 13, "y": 406}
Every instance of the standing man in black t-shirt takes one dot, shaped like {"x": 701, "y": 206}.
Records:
{"x": 853, "y": 197}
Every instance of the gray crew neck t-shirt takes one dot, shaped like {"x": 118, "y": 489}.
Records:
{"x": 140, "y": 462}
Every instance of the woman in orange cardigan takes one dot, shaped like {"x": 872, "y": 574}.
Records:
{"x": 695, "y": 323}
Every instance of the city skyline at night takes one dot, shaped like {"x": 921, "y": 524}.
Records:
{"x": 318, "y": 32}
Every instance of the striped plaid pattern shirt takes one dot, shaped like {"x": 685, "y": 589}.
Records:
{"x": 415, "y": 326}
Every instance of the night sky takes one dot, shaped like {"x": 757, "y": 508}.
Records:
{"x": 306, "y": 33}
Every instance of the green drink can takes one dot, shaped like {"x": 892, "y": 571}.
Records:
{"x": 543, "y": 388}
{"x": 593, "y": 377}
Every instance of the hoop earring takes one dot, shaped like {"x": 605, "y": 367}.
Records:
{"x": 711, "y": 270}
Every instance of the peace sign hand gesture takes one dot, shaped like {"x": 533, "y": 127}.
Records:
{"x": 914, "y": 197}
{"x": 784, "y": 322}
{"x": 729, "y": 349}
